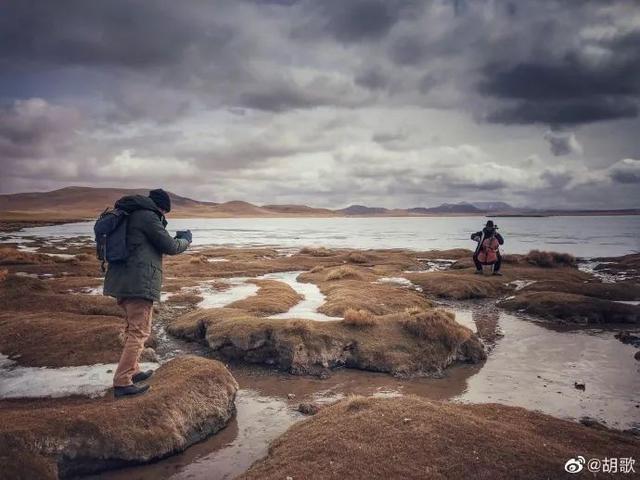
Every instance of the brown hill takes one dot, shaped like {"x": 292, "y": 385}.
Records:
{"x": 83, "y": 202}
{"x": 73, "y": 203}
{"x": 300, "y": 210}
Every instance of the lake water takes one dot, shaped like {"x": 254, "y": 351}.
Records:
{"x": 581, "y": 236}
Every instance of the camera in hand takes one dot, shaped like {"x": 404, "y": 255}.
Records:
{"x": 186, "y": 234}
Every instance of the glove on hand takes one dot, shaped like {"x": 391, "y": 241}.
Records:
{"x": 186, "y": 234}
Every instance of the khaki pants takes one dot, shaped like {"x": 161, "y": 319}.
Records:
{"x": 138, "y": 313}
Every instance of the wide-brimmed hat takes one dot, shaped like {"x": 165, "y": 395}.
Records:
{"x": 490, "y": 224}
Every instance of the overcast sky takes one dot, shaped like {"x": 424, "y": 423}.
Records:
{"x": 395, "y": 103}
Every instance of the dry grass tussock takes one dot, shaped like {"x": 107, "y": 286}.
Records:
{"x": 550, "y": 259}
{"x": 316, "y": 252}
{"x": 573, "y": 308}
{"x": 272, "y": 297}
{"x": 357, "y": 257}
{"x": 458, "y": 285}
{"x": 316, "y": 269}
{"x": 413, "y": 438}
{"x": 310, "y": 347}
{"x": 184, "y": 298}
{"x": 377, "y": 298}
{"x": 190, "y": 398}
{"x": 196, "y": 259}
{"x": 358, "y": 318}
{"x": 4, "y": 273}
{"x": 64, "y": 339}
{"x": 24, "y": 294}
{"x": 343, "y": 272}
{"x": 13, "y": 256}
{"x": 436, "y": 324}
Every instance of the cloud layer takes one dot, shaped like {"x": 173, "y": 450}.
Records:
{"x": 392, "y": 103}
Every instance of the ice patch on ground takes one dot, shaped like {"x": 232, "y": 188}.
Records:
{"x": 25, "y": 248}
{"x": 39, "y": 382}
{"x": 628, "y": 302}
{"x": 398, "y": 280}
{"x": 212, "y": 298}
{"x": 214, "y": 260}
{"x": 434, "y": 265}
{"x": 88, "y": 290}
{"x": 306, "y": 308}
{"x": 405, "y": 282}
{"x": 35, "y": 275}
{"x": 520, "y": 284}
{"x": 65, "y": 256}
{"x": 465, "y": 318}
{"x": 589, "y": 266}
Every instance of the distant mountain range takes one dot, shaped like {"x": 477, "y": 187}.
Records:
{"x": 88, "y": 202}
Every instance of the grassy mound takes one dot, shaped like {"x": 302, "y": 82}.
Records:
{"x": 412, "y": 438}
{"x": 572, "y": 308}
{"x": 607, "y": 291}
{"x": 342, "y": 273}
{"x": 190, "y": 398}
{"x": 550, "y": 259}
{"x": 358, "y": 318}
{"x": 458, "y": 285}
{"x": 272, "y": 297}
{"x": 24, "y": 294}
{"x": 311, "y": 347}
{"x": 60, "y": 339}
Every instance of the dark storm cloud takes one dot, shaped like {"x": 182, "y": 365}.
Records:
{"x": 626, "y": 171}
{"x": 268, "y": 96}
{"x": 118, "y": 32}
{"x": 373, "y": 78}
{"x": 574, "y": 89}
{"x": 34, "y": 129}
{"x": 562, "y": 143}
{"x": 361, "y": 20}
{"x": 564, "y": 112}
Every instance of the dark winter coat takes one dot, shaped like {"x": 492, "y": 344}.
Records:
{"x": 487, "y": 233}
{"x": 140, "y": 276}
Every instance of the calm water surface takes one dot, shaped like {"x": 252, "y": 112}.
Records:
{"x": 581, "y": 236}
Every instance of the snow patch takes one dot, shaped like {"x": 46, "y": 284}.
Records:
{"x": 399, "y": 280}
{"x": 212, "y": 298}
{"x": 39, "y": 382}
{"x": 306, "y": 308}
{"x": 25, "y": 248}
{"x": 520, "y": 284}
{"x": 589, "y": 266}
{"x": 465, "y": 318}
{"x": 629, "y": 302}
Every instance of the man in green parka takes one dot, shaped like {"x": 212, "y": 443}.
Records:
{"x": 136, "y": 282}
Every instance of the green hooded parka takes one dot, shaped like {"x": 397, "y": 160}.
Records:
{"x": 140, "y": 276}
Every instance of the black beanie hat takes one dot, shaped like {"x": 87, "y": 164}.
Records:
{"x": 161, "y": 199}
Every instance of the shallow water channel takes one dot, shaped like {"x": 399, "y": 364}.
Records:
{"x": 529, "y": 365}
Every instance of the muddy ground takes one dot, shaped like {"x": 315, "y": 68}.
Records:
{"x": 380, "y": 311}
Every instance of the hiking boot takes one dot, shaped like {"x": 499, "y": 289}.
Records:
{"x": 129, "y": 390}
{"x": 497, "y": 273}
{"x": 478, "y": 272}
{"x": 141, "y": 376}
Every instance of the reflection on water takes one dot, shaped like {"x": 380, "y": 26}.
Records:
{"x": 536, "y": 367}
{"x": 529, "y": 365}
{"x": 581, "y": 236}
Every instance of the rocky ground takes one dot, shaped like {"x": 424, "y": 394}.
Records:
{"x": 376, "y": 310}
